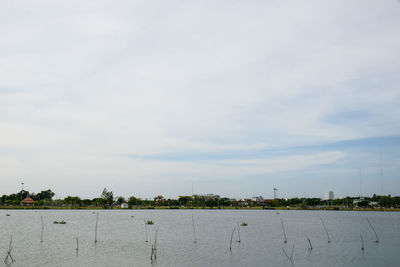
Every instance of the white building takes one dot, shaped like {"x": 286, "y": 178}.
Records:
{"x": 257, "y": 199}
{"x": 124, "y": 206}
{"x": 329, "y": 195}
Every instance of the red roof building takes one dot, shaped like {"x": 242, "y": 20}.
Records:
{"x": 27, "y": 201}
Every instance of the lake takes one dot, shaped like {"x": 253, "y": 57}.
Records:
{"x": 121, "y": 238}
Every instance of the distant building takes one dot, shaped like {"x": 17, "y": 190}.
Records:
{"x": 124, "y": 206}
{"x": 329, "y": 195}
{"x": 159, "y": 198}
{"x": 257, "y": 199}
{"x": 357, "y": 202}
{"x": 244, "y": 202}
{"x": 373, "y": 204}
{"x": 27, "y": 201}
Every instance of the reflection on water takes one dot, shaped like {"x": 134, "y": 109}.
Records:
{"x": 122, "y": 234}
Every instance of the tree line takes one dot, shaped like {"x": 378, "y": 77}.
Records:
{"x": 108, "y": 200}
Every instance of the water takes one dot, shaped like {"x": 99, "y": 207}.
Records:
{"x": 121, "y": 238}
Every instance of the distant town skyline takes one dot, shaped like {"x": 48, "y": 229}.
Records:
{"x": 231, "y": 98}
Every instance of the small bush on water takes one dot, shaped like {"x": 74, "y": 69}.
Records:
{"x": 60, "y": 222}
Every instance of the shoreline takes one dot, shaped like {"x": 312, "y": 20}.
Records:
{"x": 194, "y": 208}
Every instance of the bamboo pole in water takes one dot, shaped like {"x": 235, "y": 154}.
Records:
{"x": 376, "y": 235}
{"x": 155, "y": 245}
{"x": 291, "y": 254}
{"x": 77, "y": 244}
{"x": 41, "y": 234}
{"x": 238, "y": 232}
{"x": 9, "y": 256}
{"x": 230, "y": 246}
{"x": 283, "y": 230}
{"x": 284, "y": 251}
{"x": 194, "y": 230}
{"x": 326, "y": 231}
{"x": 95, "y": 230}
{"x": 362, "y": 243}
{"x": 309, "y": 242}
{"x": 145, "y": 229}
{"x": 152, "y": 253}
{"x": 154, "y": 249}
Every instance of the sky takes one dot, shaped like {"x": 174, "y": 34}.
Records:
{"x": 178, "y": 97}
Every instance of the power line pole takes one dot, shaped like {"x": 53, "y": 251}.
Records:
{"x": 275, "y": 193}
{"x": 22, "y": 190}
{"x": 360, "y": 182}
{"x": 380, "y": 159}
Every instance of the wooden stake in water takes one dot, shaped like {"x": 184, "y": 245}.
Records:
{"x": 376, "y": 235}
{"x": 230, "y": 246}
{"x": 194, "y": 230}
{"x": 283, "y": 230}
{"x": 326, "y": 231}
{"x": 95, "y": 230}
{"x": 238, "y": 232}
{"x": 41, "y": 234}
{"x": 77, "y": 244}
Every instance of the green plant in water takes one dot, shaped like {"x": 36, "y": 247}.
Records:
{"x": 60, "y": 222}
{"x": 149, "y": 222}
{"x": 8, "y": 214}
{"x": 243, "y": 224}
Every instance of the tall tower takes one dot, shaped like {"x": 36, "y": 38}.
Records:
{"x": 275, "y": 193}
{"x": 329, "y": 195}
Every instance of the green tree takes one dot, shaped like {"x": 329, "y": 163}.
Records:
{"x": 72, "y": 201}
{"x": 45, "y": 195}
{"x": 184, "y": 200}
{"x": 86, "y": 202}
{"x": 107, "y": 196}
{"x": 132, "y": 201}
{"x": 121, "y": 200}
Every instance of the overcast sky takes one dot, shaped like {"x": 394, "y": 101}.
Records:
{"x": 232, "y": 97}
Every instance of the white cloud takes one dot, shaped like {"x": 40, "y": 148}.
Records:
{"x": 110, "y": 79}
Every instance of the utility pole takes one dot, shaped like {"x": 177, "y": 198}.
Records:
{"x": 360, "y": 182}
{"x": 275, "y": 193}
{"x": 380, "y": 159}
{"x": 22, "y": 190}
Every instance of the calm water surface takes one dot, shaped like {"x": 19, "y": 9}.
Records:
{"x": 121, "y": 238}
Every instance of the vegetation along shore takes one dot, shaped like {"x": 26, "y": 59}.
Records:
{"x": 45, "y": 200}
